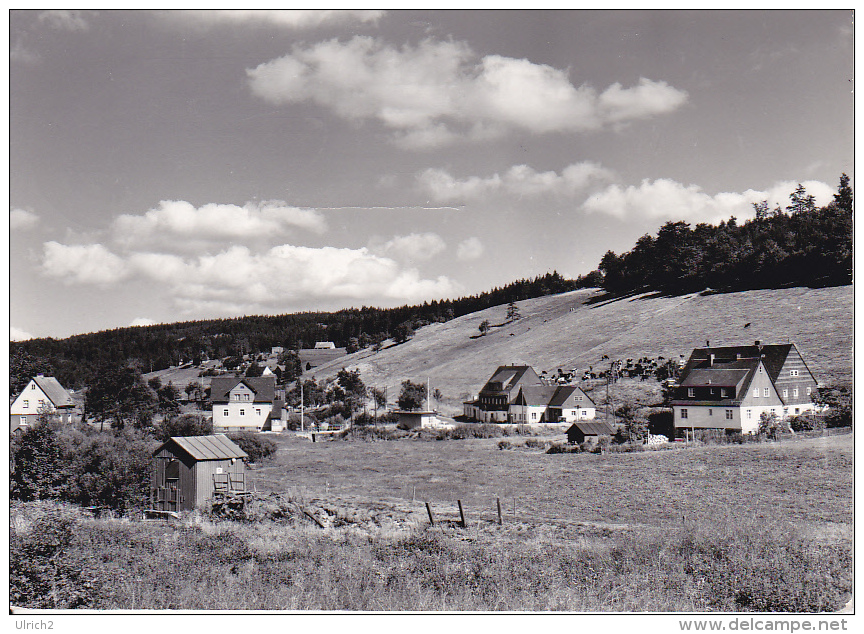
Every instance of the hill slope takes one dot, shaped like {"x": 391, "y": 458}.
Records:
{"x": 567, "y": 331}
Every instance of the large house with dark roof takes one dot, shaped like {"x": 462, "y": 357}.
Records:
{"x": 551, "y": 404}
{"x": 492, "y": 405}
{"x": 42, "y": 394}
{"x": 729, "y": 387}
{"x": 243, "y": 403}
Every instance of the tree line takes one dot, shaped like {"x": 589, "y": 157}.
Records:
{"x": 799, "y": 245}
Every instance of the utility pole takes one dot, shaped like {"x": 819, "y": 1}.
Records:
{"x": 301, "y": 402}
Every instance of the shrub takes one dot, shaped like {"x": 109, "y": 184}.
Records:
{"x": 504, "y": 444}
{"x": 533, "y": 443}
{"x": 186, "y": 425}
{"x": 256, "y": 446}
{"x": 41, "y": 574}
{"x": 807, "y": 422}
{"x": 559, "y": 448}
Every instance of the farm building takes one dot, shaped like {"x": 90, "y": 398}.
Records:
{"x": 42, "y": 393}
{"x": 730, "y": 387}
{"x": 190, "y": 470}
{"x": 579, "y": 431}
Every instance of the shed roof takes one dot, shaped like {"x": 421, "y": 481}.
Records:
{"x": 215, "y": 447}
{"x": 593, "y": 428}
{"x": 54, "y": 391}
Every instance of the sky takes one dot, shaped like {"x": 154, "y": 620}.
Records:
{"x": 178, "y": 165}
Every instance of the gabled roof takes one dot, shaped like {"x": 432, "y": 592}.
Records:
{"x": 565, "y": 397}
{"x": 215, "y": 447}
{"x": 55, "y": 392}
{"x": 593, "y": 428}
{"x": 719, "y": 376}
{"x": 264, "y": 388}
{"x": 506, "y": 377}
{"x": 536, "y": 395}
{"x": 773, "y": 355}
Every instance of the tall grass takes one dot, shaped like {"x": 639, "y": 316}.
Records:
{"x": 211, "y": 566}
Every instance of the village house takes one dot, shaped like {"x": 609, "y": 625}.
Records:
{"x": 730, "y": 387}
{"x": 492, "y": 405}
{"x": 551, "y": 404}
{"x": 243, "y": 403}
{"x": 41, "y": 394}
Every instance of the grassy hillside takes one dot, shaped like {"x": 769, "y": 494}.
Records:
{"x": 569, "y": 331}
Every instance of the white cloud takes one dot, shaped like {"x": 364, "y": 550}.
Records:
{"x": 192, "y": 227}
{"x": 142, "y": 321}
{"x": 83, "y": 264}
{"x": 22, "y": 219}
{"x": 413, "y": 247}
{"x": 18, "y": 52}
{"x": 669, "y": 200}
{"x": 16, "y": 334}
{"x": 289, "y": 18}
{"x": 436, "y": 92}
{"x": 64, "y": 20}
{"x": 519, "y": 180}
{"x": 470, "y": 249}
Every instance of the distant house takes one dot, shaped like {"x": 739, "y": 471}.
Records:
{"x": 188, "y": 471}
{"x": 492, "y": 405}
{"x": 579, "y": 431}
{"x": 277, "y": 350}
{"x": 551, "y": 404}
{"x": 42, "y": 393}
{"x": 730, "y": 387}
{"x": 242, "y": 403}
{"x": 325, "y": 345}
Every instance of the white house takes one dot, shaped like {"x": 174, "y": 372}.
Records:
{"x": 242, "y": 403}
{"x": 42, "y": 393}
{"x": 551, "y": 404}
{"x": 730, "y": 387}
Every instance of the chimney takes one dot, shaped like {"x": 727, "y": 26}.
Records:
{"x": 711, "y": 359}
{"x": 707, "y": 344}
{"x": 758, "y": 342}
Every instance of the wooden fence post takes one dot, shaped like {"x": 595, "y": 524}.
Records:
{"x": 429, "y": 510}
{"x": 462, "y": 514}
{"x": 500, "y": 518}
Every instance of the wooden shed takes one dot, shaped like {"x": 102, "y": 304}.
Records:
{"x": 578, "y": 432}
{"x": 188, "y": 471}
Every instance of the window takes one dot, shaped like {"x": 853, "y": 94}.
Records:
{"x": 683, "y": 413}
{"x": 793, "y": 372}
{"x": 795, "y": 391}
{"x": 710, "y": 412}
{"x": 257, "y": 412}
{"x": 797, "y": 410}
{"x": 26, "y": 404}
{"x": 41, "y": 402}
{"x": 724, "y": 392}
{"x": 32, "y": 386}
{"x": 728, "y": 414}
{"x": 772, "y": 410}
{"x": 691, "y": 392}
{"x": 245, "y": 397}
{"x": 749, "y": 413}
{"x": 785, "y": 392}
{"x": 236, "y": 397}
{"x": 584, "y": 413}
{"x": 23, "y": 420}
{"x": 533, "y": 415}
{"x": 755, "y": 392}
{"x": 578, "y": 398}
{"x": 225, "y": 412}
{"x": 242, "y": 412}
{"x": 765, "y": 392}
{"x": 713, "y": 391}
{"x": 808, "y": 391}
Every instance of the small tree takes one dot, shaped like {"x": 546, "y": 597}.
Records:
{"x": 254, "y": 370}
{"x": 635, "y": 427}
{"x": 483, "y": 327}
{"x": 412, "y": 396}
{"x": 377, "y": 395}
{"x": 403, "y": 332}
{"x": 513, "y": 312}
{"x": 769, "y": 424}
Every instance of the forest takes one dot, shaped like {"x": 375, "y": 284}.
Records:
{"x": 800, "y": 245}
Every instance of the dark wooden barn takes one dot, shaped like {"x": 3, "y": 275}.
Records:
{"x": 190, "y": 470}
{"x": 578, "y": 432}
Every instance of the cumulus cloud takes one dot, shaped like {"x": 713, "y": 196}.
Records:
{"x": 669, "y": 200}
{"x": 437, "y": 92}
{"x": 83, "y": 264}
{"x": 64, "y": 20}
{"x": 21, "y": 219}
{"x": 413, "y": 247}
{"x": 288, "y": 18}
{"x": 239, "y": 280}
{"x": 519, "y": 180}
{"x": 470, "y": 249}
{"x": 142, "y": 321}
{"x": 16, "y": 334}
{"x": 179, "y": 223}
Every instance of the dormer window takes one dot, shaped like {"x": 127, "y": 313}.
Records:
{"x": 724, "y": 392}
{"x": 691, "y": 392}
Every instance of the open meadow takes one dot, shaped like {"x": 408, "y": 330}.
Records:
{"x": 762, "y": 527}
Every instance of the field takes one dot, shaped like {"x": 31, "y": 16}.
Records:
{"x": 575, "y": 330}
{"x": 764, "y": 527}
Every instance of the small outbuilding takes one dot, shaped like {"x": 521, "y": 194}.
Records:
{"x": 414, "y": 419}
{"x": 579, "y": 431}
{"x": 188, "y": 471}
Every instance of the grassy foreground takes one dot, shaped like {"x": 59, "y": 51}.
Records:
{"x": 382, "y": 555}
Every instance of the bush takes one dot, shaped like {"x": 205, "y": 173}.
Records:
{"x": 257, "y": 447}
{"x": 41, "y": 574}
{"x": 807, "y": 422}
{"x": 559, "y": 448}
{"x": 504, "y": 444}
{"x": 186, "y": 425}
{"x": 533, "y": 443}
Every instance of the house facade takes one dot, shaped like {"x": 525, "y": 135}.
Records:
{"x": 492, "y": 405}
{"x": 551, "y": 404}
{"x": 42, "y": 393}
{"x": 243, "y": 403}
{"x": 730, "y": 387}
